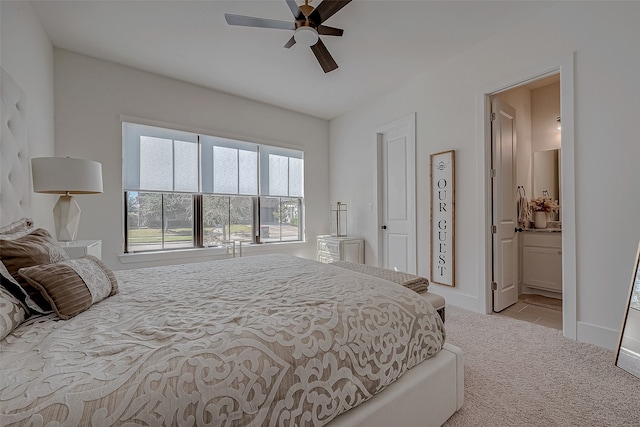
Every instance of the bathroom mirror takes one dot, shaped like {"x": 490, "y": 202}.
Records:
{"x": 628, "y": 356}
{"x": 546, "y": 173}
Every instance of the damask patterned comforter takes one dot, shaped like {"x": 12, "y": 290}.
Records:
{"x": 265, "y": 340}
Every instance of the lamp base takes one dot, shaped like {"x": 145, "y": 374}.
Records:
{"x": 66, "y": 214}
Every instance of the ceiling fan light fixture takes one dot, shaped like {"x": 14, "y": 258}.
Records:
{"x": 306, "y": 36}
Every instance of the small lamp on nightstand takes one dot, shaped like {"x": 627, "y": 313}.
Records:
{"x": 339, "y": 220}
{"x": 66, "y": 176}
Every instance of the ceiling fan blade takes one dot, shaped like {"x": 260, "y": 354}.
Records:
{"x": 297, "y": 13}
{"x": 324, "y": 57}
{"x": 329, "y": 31}
{"x": 249, "y": 21}
{"x": 291, "y": 42}
{"x": 328, "y": 8}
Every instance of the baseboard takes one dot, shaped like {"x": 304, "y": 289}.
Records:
{"x": 598, "y": 335}
{"x": 533, "y": 291}
{"x": 467, "y": 302}
{"x": 586, "y": 332}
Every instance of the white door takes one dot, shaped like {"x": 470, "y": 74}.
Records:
{"x": 504, "y": 211}
{"x": 396, "y": 192}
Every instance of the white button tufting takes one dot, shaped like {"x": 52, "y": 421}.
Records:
{"x": 15, "y": 194}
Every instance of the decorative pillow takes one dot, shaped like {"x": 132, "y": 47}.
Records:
{"x": 20, "y": 225}
{"x": 72, "y": 286}
{"x": 17, "y": 229}
{"x": 37, "y": 247}
{"x": 12, "y": 313}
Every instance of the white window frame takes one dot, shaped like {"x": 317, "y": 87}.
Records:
{"x": 205, "y": 141}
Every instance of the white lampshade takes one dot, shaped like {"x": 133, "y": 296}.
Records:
{"x": 64, "y": 175}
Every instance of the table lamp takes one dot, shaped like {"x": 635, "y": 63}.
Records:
{"x": 66, "y": 176}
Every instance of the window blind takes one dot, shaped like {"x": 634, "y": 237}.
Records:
{"x": 281, "y": 172}
{"x": 165, "y": 160}
{"x": 156, "y": 159}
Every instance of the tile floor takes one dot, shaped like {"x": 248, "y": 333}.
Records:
{"x": 536, "y": 309}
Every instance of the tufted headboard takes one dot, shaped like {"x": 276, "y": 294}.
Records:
{"x": 15, "y": 177}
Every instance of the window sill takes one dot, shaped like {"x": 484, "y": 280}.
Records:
{"x": 202, "y": 254}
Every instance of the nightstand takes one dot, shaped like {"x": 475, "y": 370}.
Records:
{"x": 332, "y": 249}
{"x": 80, "y": 248}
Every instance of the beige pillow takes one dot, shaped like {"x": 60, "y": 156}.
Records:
{"x": 12, "y": 313}
{"x": 72, "y": 286}
{"x": 35, "y": 248}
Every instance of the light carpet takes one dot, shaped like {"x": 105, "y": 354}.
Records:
{"x": 522, "y": 374}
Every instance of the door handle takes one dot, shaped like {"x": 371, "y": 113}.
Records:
{"x": 384, "y": 227}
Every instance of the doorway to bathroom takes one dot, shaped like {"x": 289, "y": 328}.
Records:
{"x": 526, "y": 201}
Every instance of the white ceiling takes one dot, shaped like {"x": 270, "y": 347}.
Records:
{"x": 385, "y": 42}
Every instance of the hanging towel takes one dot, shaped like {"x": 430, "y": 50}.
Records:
{"x": 524, "y": 211}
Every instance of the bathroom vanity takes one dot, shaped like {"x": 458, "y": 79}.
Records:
{"x": 542, "y": 261}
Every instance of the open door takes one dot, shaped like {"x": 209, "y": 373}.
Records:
{"x": 504, "y": 210}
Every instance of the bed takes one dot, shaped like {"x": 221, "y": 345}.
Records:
{"x": 265, "y": 340}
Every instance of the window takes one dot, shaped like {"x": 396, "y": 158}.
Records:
{"x": 185, "y": 190}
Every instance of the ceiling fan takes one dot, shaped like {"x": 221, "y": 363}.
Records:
{"x": 307, "y": 26}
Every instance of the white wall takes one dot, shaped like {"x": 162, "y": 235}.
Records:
{"x": 536, "y": 127}
{"x": 545, "y": 110}
{"x": 605, "y": 37}
{"x": 92, "y": 94}
{"x": 26, "y": 54}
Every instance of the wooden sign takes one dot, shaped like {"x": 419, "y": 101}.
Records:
{"x": 443, "y": 199}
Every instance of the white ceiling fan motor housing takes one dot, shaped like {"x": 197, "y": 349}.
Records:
{"x": 306, "y": 36}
